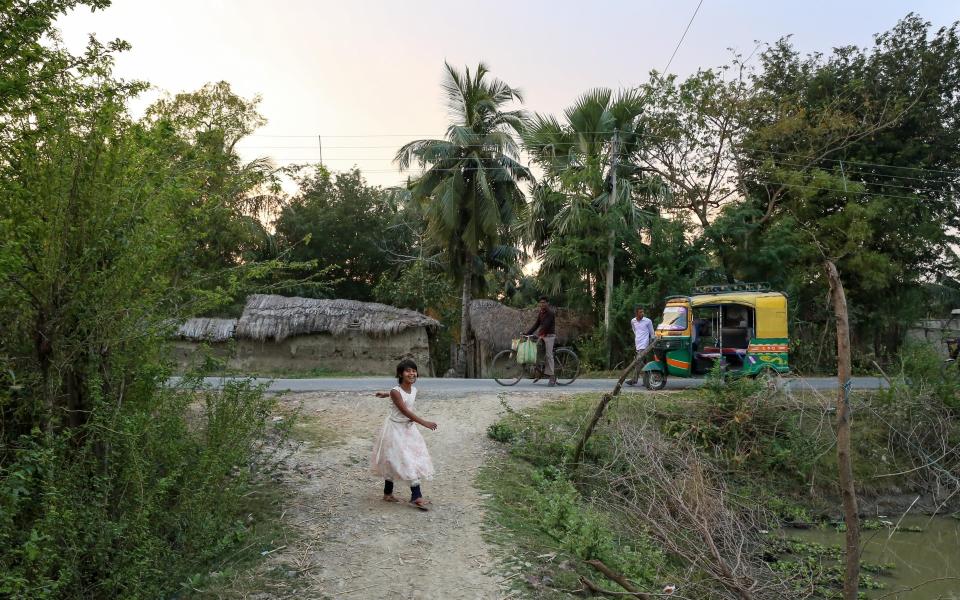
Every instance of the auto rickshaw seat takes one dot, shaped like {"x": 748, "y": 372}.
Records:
{"x": 735, "y": 337}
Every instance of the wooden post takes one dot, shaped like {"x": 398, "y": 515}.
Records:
{"x": 851, "y": 580}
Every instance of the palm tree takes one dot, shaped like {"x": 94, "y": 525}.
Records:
{"x": 589, "y": 167}
{"x": 470, "y": 179}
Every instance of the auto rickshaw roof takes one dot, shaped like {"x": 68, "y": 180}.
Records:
{"x": 745, "y": 298}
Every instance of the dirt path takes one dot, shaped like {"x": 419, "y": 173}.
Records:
{"x": 353, "y": 545}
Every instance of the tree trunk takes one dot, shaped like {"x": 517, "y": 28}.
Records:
{"x": 608, "y": 296}
{"x": 611, "y": 247}
{"x": 462, "y": 353}
{"x": 851, "y": 579}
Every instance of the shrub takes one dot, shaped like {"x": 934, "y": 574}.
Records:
{"x": 586, "y": 532}
{"x": 743, "y": 422}
{"x": 592, "y": 350}
{"x": 922, "y": 368}
{"x": 501, "y": 432}
{"x": 918, "y": 414}
{"x": 147, "y": 498}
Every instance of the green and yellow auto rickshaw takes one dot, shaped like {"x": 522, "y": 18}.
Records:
{"x": 743, "y": 327}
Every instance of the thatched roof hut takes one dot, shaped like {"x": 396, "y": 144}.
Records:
{"x": 279, "y": 317}
{"x": 279, "y": 334}
{"x": 495, "y": 325}
{"x": 207, "y": 330}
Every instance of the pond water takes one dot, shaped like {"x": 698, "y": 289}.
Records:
{"x": 925, "y": 556}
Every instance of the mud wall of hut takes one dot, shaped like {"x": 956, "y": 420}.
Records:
{"x": 933, "y": 332}
{"x": 353, "y": 352}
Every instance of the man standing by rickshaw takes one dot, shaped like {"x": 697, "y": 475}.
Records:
{"x": 643, "y": 336}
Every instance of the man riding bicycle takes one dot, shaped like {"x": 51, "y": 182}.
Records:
{"x": 546, "y": 328}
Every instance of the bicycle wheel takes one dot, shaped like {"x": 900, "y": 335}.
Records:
{"x": 505, "y": 368}
{"x": 566, "y": 366}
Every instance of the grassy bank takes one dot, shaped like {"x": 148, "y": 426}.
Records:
{"x": 668, "y": 477}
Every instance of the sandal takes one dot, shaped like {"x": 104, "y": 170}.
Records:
{"x": 420, "y": 503}
{"x": 390, "y": 498}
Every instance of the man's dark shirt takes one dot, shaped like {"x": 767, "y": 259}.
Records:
{"x": 546, "y": 323}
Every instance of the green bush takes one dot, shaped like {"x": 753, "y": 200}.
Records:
{"x": 501, "y": 432}
{"x": 586, "y": 532}
{"x": 146, "y": 499}
{"x": 592, "y": 350}
{"x": 923, "y": 369}
{"x": 742, "y": 422}
{"x": 112, "y": 484}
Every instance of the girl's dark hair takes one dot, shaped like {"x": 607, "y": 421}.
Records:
{"x": 402, "y": 366}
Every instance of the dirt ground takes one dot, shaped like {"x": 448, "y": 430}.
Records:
{"x": 351, "y": 544}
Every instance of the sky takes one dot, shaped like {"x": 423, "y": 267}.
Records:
{"x": 365, "y": 75}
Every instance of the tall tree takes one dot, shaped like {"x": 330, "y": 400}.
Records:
{"x": 590, "y": 169}
{"x": 692, "y": 127}
{"x": 225, "y": 200}
{"x": 861, "y": 148}
{"x": 342, "y": 222}
{"x": 470, "y": 179}
{"x": 33, "y": 62}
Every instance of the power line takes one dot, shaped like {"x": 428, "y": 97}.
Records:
{"x": 415, "y": 174}
{"x": 682, "y": 37}
{"x": 641, "y": 136}
{"x": 856, "y": 176}
{"x": 859, "y": 176}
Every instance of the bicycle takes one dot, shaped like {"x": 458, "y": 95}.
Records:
{"x": 507, "y": 371}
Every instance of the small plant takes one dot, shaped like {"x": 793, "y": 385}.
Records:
{"x": 501, "y": 432}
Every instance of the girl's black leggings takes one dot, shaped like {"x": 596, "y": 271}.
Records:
{"x": 414, "y": 489}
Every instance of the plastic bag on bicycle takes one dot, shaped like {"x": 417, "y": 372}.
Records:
{"x": 527, "y": 352}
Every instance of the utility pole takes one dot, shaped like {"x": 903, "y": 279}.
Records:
{"x": 320, "y": 144}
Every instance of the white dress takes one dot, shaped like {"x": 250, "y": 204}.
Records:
{"x": 399, "y": 452}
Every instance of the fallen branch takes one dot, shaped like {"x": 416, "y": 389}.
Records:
{"x": 919, "y": 585}
{"x": 620, "y": 579}
{"x": 602, "y": 405}
{"x": 664, "y": 489}
{"x": 596, "y": 589}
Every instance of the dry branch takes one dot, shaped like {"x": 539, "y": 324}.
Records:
{"x": 602, "y": 405}
{"x": 620, "y": 579}
{"x": 663, "y": 488}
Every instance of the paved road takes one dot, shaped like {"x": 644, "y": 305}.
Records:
{"x": 444, "y": 385}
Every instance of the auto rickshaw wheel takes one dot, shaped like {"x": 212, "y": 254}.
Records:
{"x": 654, "y": 380}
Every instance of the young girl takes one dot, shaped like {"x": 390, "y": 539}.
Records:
{"x": 399, "y": 453}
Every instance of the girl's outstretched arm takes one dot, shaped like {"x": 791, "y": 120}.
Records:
{"x": 398, "y": 402}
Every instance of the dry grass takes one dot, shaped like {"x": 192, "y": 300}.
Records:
{"x": 279, "y": 317}
{"x": 204, "y": 329}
